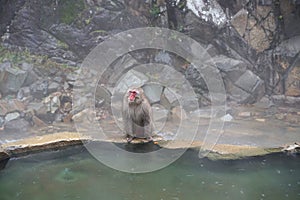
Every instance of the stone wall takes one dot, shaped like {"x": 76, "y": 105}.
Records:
{"x": 255, "y": 44}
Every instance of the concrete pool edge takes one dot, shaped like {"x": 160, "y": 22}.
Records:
{"x": 63, "y": 140}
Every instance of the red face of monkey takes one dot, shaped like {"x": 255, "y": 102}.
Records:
{"x": 134, "y": 96}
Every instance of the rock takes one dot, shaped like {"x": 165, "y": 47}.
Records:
{"x": 292, "y": 148}
{"x": 53, "y": 87}
{"x": 9, "y": 106}
{"x": 37, "y": 107}
{"x": 39, "y": 89}
{"x": 2, "y": 121}
{"x": 160, "y": 116}
{"x": 280, "y": 116}
{"x": 4, "y": 157}
{"x": 264, "y": 102}
{"x": 290, "y": 19}
{"x": 248, "y": 81}
{"x": 248, "y": 88}
{"x": 12, "y": 116}
{"x": 260, "y": 119}
{"x": 31, "y": 76}
{"x": 256, "y": 27}
{"x": 163, "y": 57}
{"x": 11, "y": 79}
{"x": 153, "y": 92}
{"x": 82, "y": 116}
{"x": 293, "y": 82}
{"x": 292, "y": 118}
{"x": 288, "y": 100}
{"x": 244, "y": 114}
{"x": 53, "y": 102}
{"x": 227, "y": 118}
{"x": 38, "y": 122}
{"x": 68, "y": 118}
{"x": 169, "y": 98}
{"x": 195, "y": 78}
{"x": 232, "y": 68}
{"x": 23, "y": 93}
{"x": 17, "y": 126}
{"x": 210, "y": 12}
{"x": 289, "y": 47}
{"x": 71, "y": 77}
{"x": 118, "y": 68}
{"x": 203, "y": 113}
{"x": 239, "y": 21}
{"x": 159, "y": 113}
{"x": 178, "y": 113}
{"x": 66, "y": 107}
{"x": 131, "y": 79}
{"x": 198, "y": 29}
{"x": 102, "y": 96}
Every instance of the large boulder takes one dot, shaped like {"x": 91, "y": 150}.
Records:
{"x": 11, "y": 78}
{"x": 248, "y": 88}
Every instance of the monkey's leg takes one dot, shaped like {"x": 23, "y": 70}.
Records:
{"x": 128, "y": 129}
{"x": 148, "y": 132}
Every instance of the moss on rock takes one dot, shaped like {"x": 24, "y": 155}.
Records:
{"x": 69, "y": 10}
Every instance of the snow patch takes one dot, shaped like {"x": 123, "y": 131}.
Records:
{"x": 208, "y": 10}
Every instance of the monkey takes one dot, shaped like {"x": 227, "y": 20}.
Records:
{"x": 137, "y": 115}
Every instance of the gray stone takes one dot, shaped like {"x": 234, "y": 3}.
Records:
{"x": 4, "y": 157}
{"x": 53, "y": 87}
{"x": 17, "y": 126}
{"x": 11, "y": 79}
{"x": 160, "y": 116}
{"x": 227, "y": 118}
{"x": 118, "y": 68}
{"x": 159, "y": 113}
{"x": 163, "y": 57}
{"x": 289, "y": 47}
{"x": 32, "y": 76}
{"x": 71, "y": 77}
{"x": 102, "y": 95}
{"x": 248, "y": 88}
{"x": 39, "y": 108}
{"x": 58, "y": 79}
{"x": 231, "y": 67}
{"x": 131, "y": 79}
{"x": 178, "y": 113}
{"x": 169, "y": 98}
{"x": 12, "y": 116}
{"x": 39, "y": 89}
{"x": 23, "y": 92}
{"x": 153, "y": 92}
{"x": 237, "y": 94}
{"x": 211, "y": 12}
{"x": 2, "y": 120}
{"x": 239, "y": 21}
{"x": 203, "y": 113}
{"x": 9, "y": 106}
{"x": 248, "y": 81}
{"x": 53, "y": 103}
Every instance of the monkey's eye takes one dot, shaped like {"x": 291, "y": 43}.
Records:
{"x": 132, "y": 92}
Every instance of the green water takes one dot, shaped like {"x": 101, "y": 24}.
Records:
{"x": 74, "y": 174}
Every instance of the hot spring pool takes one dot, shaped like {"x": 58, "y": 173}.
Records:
{"x": 75, "y": 174}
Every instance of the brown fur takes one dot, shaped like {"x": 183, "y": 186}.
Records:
{"x": 137, "y": 115}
